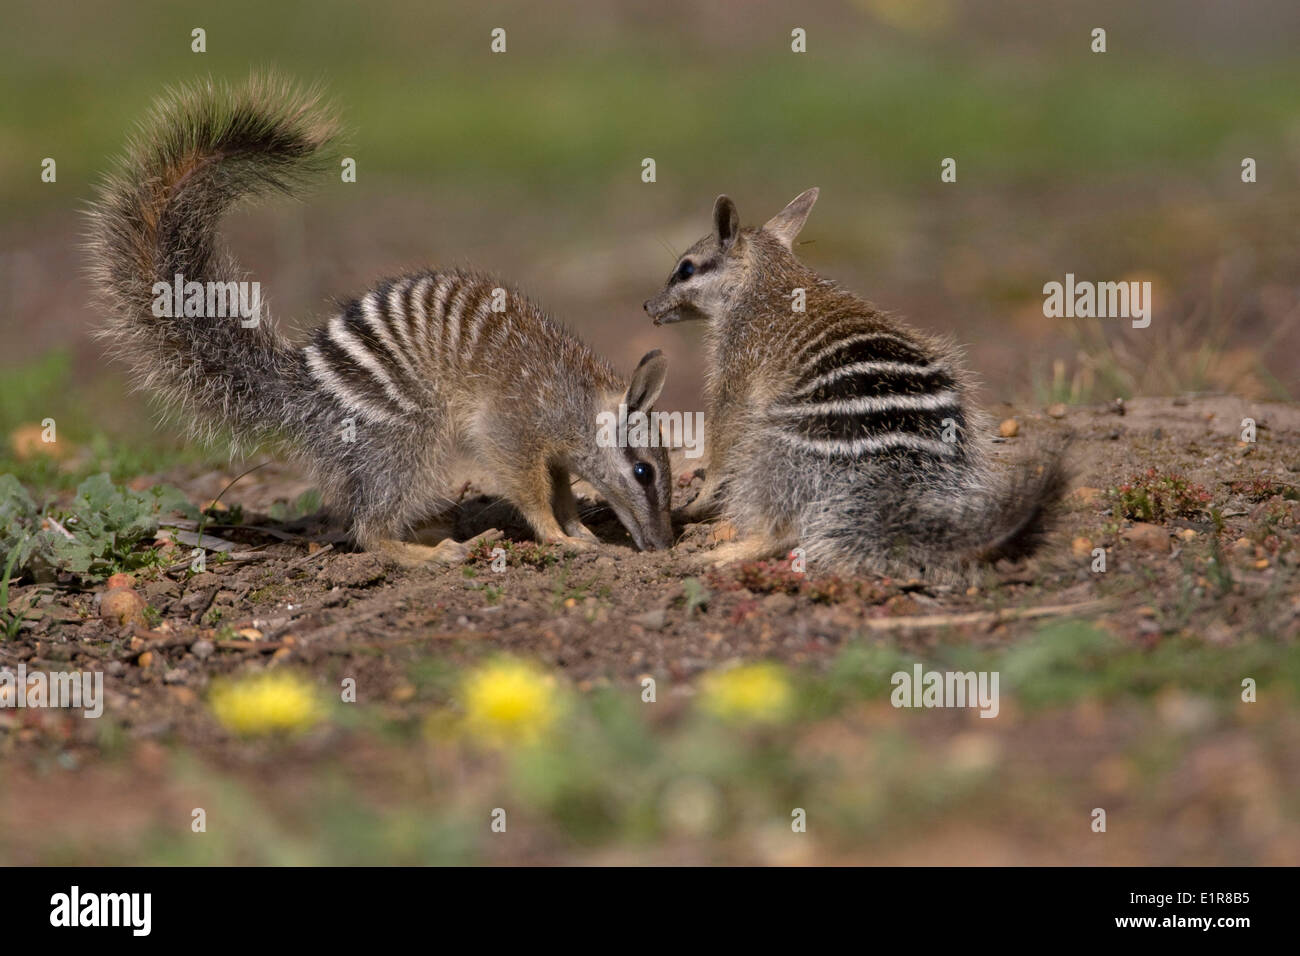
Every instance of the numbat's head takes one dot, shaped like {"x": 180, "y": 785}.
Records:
{"x": 636, "y": 481}
{"x": 728, "y": 266}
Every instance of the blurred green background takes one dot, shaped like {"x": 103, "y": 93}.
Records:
{"x": 527, "y": 164}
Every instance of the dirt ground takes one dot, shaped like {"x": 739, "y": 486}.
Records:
{"x": 295, "y": 597}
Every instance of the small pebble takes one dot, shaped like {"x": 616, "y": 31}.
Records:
{"x": 1085, "y": 495}
{"x": 1147, "y": 537}
{"x": 122, "y": 606}
{"x": 652, "y": 620}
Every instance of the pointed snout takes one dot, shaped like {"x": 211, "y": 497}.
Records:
{"x": 661, "y": 310}
{"x": 658, "y": 539}
{"x": 650, "y": 537}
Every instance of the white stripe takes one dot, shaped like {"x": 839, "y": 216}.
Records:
{"x": 319, "y": 369}
{"x": 451, "y": 323}
{"x": 870, "y": 404}
{"x": 480, "y": 320}
{"x": 859, "y": 337}
{"x": 870, "y": 446}
{"x": 421, "y": 292}
{"x": 370, "y": 311}
{"x": 860, "y": 368}
{"x": 835, "y": 328}
{"x": 438, "y": 312}
{"x": 345, "y": 340}
{"x": 440, "y": 298}
{"x": 401, "y": 325}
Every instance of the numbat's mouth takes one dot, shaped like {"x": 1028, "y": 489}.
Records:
{"x": 681, "y": 313}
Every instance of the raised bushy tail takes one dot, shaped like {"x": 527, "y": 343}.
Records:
{"x": 924, "y": 527}
{"x": 205, "y": 147}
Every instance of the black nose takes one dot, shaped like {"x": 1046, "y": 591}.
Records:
{"x": 646, "y": 305}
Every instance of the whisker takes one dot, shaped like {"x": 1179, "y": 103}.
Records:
{"x": 668, "y": 248}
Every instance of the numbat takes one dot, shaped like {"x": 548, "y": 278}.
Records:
{"x": 400, "y": 382}
{"x": 837, "y": 428}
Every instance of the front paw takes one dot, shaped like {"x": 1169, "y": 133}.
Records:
{"x": 695, "y": 512}
{"x": 574, "y": 543}
{"x": 580, "y": 531}
{"x": 684, "y": 515}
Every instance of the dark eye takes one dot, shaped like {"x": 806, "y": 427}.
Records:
{"x": 685, "y": 270}
{"x": 643, "y": 473}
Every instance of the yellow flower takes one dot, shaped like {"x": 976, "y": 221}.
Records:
{"x": 754, "y": 693}
{"x": 509, "y": 702}
{"x": 266, "y": 703}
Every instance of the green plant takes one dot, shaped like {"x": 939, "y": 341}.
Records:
{"x": 309, "y": 502}
{"x": 9, "y": 621}
{"x": 695, "y": 595}
{"x": 1153, "y": 496}
{"x": 98, "y": 534}
{"x": 518, "y": 554}
{"x": 1261, "y": 487}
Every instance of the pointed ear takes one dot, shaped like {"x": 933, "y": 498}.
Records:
{"x": 647, "y": 382}
{"x": 726, "y": 222}
{"x": 786, "y": 224}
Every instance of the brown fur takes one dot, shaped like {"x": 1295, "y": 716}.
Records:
{"x": 898, "y": 509}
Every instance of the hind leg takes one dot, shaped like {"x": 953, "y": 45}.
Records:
{"x": 390, "y": 502}
{"x": 383, "y": 533}
{"x": 446, "y": 552}
{"x": 706, "y": 505}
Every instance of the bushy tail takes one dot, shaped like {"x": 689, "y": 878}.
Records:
{"x": 1017, "y": 513}
{"x": 204, "y": 148}
{"x": 920, "y": 527}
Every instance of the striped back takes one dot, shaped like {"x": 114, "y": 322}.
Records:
{"x": 866, "y": 390}
{"x": 382, "y": 352}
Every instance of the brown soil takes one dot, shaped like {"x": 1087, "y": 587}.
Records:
{"x": 612, "y": 615}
